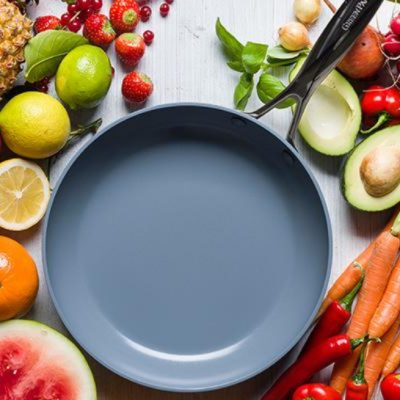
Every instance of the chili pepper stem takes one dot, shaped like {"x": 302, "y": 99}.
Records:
{"x": 395, "y": 231}
{"x": 358, "y": 342}
{"x": 383, "y": 118}
{"x": 359, "y": 377}
{"x": 347, "y": 302}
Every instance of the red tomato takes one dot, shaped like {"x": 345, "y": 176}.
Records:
{"x": 373, "y": 101}
{"x": 390, "y": 387}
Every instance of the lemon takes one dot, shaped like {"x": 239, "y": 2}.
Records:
{"x": 34, "y": 125}
{"x": 24, "y": 194}
{"x": 84, "y": 77}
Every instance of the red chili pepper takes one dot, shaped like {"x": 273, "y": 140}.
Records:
{"x": 335, "y": 317}
{"x": 316, "y": 391}
{"x": 390, "y": 387}
{"x": 357, "y": 387}
{"x": 381, "y": 103}
{"x": 320, "y": 357}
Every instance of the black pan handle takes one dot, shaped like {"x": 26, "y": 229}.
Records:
{"x": 335, "y": 41}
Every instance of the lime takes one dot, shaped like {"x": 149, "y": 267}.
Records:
{"x": 84, "y": 77}
{"x": 34, "y": 125}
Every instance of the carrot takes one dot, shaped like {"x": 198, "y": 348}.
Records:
{"x": 351, "y": 276}
{"x": 376, "y": 279}
{"x": 376, "y": 357}
{"x": 393, "y": 359}
{"x": 389, "y": 308}
{"x": 347, "y": 281}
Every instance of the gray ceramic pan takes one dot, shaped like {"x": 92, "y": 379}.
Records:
{"x": 187, "y": 247}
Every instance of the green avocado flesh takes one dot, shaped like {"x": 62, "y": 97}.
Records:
{"x": 36, "y": 362}
{"x": 352, "y": 184}
{"x": 332, "y": 119}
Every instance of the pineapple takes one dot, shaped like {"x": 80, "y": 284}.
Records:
{"x": 15, "y": 32}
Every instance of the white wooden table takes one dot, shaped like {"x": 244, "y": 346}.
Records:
{"x": 186, "y": 64}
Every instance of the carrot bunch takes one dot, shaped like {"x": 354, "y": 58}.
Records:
{"x": 377, "y": 312}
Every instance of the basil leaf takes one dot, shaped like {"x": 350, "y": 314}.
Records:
{"x": 273, "y": 63}
{"x": 233, "y": 48}
{"x": 280, "y": 53}
{"x": 269, "y": 87}
{"x": 45, "y": 51}
{"x": 253, "y": 56}
{"x": 243, "y": 91}
{"x": 236, "y": 66}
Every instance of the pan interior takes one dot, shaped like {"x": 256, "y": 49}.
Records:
{"x": 186, "y": 244}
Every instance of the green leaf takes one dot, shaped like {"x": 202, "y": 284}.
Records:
{"x": 280, "y": 53}
{"x": 236, "y": 66}
{"x": 243, "y": 91}
{"x": 272, "y": 63}
{"x": 45, "y": 51}
{"x": 233, "y": 48}
{"x": 253, "y": 56}
{"x": 269, "y": 87}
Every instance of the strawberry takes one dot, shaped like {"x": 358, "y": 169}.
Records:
{"x": 124, "y": 15}
{"x": 130, "y": 48}
{"x": 46, "y": 23}
{"x": 136, "y": 87}
{"x": 99, "y": 31}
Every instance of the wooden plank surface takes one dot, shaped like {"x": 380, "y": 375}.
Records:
{"x": 186, "y": 64}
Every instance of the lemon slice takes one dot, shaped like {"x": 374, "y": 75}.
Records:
{"x": 24, "y": 194}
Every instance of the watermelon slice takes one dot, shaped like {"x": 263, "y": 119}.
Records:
{"x": 36, "y": 362}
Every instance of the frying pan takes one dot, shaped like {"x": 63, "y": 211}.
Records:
{"x": 187, "y": 247}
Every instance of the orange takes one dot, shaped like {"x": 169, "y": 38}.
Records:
{"x": 19, "y": 281}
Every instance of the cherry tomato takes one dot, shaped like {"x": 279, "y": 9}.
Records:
{"x": 393, "y": 102}
{"x": 390, "y": 387}
{"x": 373, "y": 101}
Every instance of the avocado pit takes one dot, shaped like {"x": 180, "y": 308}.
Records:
{"x": 380, "y": 171}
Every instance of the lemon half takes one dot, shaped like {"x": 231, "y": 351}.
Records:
{"x": 24, "y": 194}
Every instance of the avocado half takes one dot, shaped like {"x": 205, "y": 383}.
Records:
{"x": 352, "y": 184}
{"x": 332, "y": 119}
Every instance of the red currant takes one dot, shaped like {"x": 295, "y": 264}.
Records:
{"x": 164, "y": 9}
{"x": 96, "y": 4}
{"x": 145, "y": 13}
{"x": 73, "y": 8}
{"x": 85, "y": 14}
{"x": 75, "y": 25}
{"x": 83, "y": 4}
{"x": 169, "y": 1}
{"x": 391, "y": 45}
{"x": 148, "y": 37}
{"x": 65, "y": 18}
{"x": 42, "y": 87}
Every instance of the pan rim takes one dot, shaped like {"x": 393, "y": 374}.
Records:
{"x": 153, "y": 384}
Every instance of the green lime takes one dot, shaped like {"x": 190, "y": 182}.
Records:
{"x": 34, "y": 125}
{"x": 84, "y": 77}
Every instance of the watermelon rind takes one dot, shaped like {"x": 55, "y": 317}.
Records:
{"x": 56, "y": 348}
